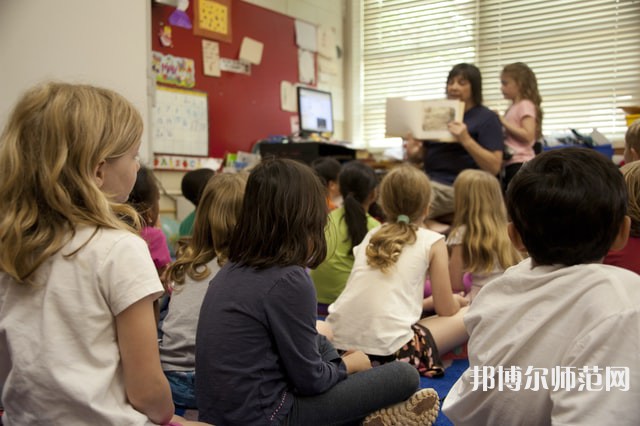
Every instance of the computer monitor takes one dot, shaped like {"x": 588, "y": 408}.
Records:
{"x": 315, "y": 111}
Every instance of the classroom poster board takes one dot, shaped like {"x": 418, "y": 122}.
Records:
{"x": 180, "y": 122}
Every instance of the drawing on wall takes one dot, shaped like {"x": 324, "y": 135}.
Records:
{"x": 173, "y": 70}
{"x": 213, "y": 19}
{"x": 180, "y": 122}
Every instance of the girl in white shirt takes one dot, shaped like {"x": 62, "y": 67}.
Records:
{"x": 379, "y": 311}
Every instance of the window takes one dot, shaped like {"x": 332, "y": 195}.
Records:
{"x": 585, "y": 53}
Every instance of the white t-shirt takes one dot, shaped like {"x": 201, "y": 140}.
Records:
{"x": 552, "y": 317}
{"x": 479, "y": 279}
{"x": 59, "y": 356}
{"x": 376, "y": 310}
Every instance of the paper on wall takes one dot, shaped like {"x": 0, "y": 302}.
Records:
{"x": 327, "y": 66}
{"x": 288, "y": 97}
{"x": 211, "y": 58}
{"x": 306, "y": 36}
{"x": 251, "y": 51}
{"x": 234, "y": 65}
{"x": 306, "y": 67}
{"x": 327, "y": 41}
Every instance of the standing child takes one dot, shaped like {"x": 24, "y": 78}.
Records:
{"x": 478, "y": 242}
{"x": 629, "y": 256}
{"x": 380, "y": 308}
{"x": 258, "y": 356}
{"x": 554, "y": 340}
{"x": 77, "y": 333}
{"x": 346, "y": 228}
{"x": 522, "y": 121}
{"x": 145, "y": 198}
{"x": 207, "y": 251}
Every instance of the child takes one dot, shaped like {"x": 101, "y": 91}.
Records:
{"x": 328, "y": 169}
{"x": 629, "y": 256}
{"x": 207, "y": 251}
{"x": 478, "y": 242}
{"x": 632, "y": 143}
{"x": 380, "y": 308}
{"x": 258, "y": 356}
{"x": 193, "y": 182}
{"x": 522, "y": 121}
{"x": 145, "y": 198}
{"x": 543, "y": 334}
{"x": 346, "y": 228}
{"x": 77, "y": 334}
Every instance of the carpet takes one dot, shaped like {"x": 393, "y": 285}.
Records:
{"x": 443, "y": 384}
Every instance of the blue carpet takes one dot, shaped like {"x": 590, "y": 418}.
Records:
{"x": 443, "y": 384}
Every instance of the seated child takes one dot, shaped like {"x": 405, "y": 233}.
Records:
{"x": 629, "y": 256}
{"x": 380, "y": 308}
{"x": 328, "y": 169}
{"x": 259, "y": 358}
{"x": 207, "y": 251}
{"x": 478, "y": 242}
{"x": 632, "y": 143}
{"x": 554, "y": 340}
{"x": 145, "y": 198}
{"x": 192, "y": 185}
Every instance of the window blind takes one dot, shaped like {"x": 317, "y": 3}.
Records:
{"x": 408, "y": 49}
{"x": 585, "y": 53}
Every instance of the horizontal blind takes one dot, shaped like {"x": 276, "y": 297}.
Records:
{"x": 585, "y": 54}
{"x": 409, "y": 46}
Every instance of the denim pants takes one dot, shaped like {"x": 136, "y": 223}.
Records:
{"x": 360, "y": 394}
{"x": 183, "y": 385}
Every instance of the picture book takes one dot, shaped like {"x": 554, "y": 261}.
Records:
{"x": 424, "y": 119}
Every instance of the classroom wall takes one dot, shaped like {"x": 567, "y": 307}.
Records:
{"x": 100, "y": 42}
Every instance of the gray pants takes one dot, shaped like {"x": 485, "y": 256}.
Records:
{"x": 360, "y": 394}
{"x": 441, "y": 200}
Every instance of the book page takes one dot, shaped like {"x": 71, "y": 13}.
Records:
{"x": 424, "y": 119}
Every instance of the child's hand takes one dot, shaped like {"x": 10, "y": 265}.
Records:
{"x": 356, "y": 361}
{"x": 462, "y": 301}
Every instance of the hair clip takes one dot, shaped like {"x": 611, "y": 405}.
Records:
{"x": 403, "y": 218}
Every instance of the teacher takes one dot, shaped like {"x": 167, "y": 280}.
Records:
{"x": 479, "y": 141}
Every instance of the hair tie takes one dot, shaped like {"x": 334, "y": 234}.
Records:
{"x": 403, "y": 218}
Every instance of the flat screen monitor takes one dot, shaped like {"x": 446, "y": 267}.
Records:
{"x": 315, "y": 111}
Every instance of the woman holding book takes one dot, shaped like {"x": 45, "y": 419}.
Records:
{"x": 479, "y": 141}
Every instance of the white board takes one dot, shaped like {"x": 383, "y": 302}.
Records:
{"x": 180, "y": 122}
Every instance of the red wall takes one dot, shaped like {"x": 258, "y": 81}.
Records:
{"x": 242, "y": 108}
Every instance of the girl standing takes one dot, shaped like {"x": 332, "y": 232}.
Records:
{"x": 380, "y": 308}
{"x": 346, "y": 228}
{"x": 206, "y": 252}
{"x": 259, "y": 358}
{"x": 522, "y": 121}
{"x": 478, "y": 242}
{"x": 78, "y": 339}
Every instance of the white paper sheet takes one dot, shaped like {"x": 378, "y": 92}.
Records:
{"x": 306, "y": 36}
{"x": 251, "y": 51}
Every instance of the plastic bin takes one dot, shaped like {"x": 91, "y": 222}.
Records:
{"x": 605, "y": 149}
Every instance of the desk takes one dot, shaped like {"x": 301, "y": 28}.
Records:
{"x": 307, "y": 151}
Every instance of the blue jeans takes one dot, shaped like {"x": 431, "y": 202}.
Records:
{"x": 183, "y": 385}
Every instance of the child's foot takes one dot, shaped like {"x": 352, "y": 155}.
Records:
{"x": 421, "y": 409}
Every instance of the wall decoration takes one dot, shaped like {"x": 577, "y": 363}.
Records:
{"x": 179, "y": 17}
{"x": 211, "y": 58}
{"x": 235, "y": 66}
{"x": 173, "y": 70}
{"x": 180, "y": 122}
{"x": 213, "y": 19}
{"x": 184, "y": 162}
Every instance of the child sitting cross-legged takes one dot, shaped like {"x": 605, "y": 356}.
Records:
{"x": 554, "y": 340}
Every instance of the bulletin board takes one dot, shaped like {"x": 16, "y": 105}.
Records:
{"x": 180, "y": 122}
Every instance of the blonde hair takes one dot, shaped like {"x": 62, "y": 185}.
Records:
{"x": 632, "y": 137}
{"x": 631, "y": 173}
{"x": 53, "y": 142}
{"x": 527, "y": 83}
{"x": 480, "y": 208}
{"x": 405, "y": 190}
{"x": 216, "y": 217}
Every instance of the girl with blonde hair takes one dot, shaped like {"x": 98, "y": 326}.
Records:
{"x": 76, "y": 284}
{"x": 478, "y": 242}
{"x": 380, "y": 308}
{"x": 198, "y": 262}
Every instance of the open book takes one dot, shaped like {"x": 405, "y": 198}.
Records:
{"x": 424, "y": 119}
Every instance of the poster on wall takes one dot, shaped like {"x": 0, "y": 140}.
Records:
{"x": 213, "y": 19}
{"x": 211, "y": 58}
{"x": 173, "y": 70}
{"x": 180, "y": 122}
